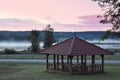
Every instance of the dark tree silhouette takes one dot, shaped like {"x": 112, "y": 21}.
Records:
{"x": 111, "y": 15}
{"x": 34, "y": 39}
{"x": 49, "y": 37}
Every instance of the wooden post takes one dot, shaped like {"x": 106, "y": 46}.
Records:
{"x": 102, "y": 62}
{"x": 54, "y": 61}
{"x": 67, "y": 60}
{"x": 62, "y": 57}
{"x": 85, "y": 61}
{"x": 47, "y": 61}
{"x": 77, "y": 61}
{"x": 71, "y": 64}
{"x": 82, "y": 60}
{"x": 93, "y": 63}
{"x": 57, "y": 62}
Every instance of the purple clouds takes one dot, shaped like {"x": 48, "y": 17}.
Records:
{"x": 89, "y": 19}
{"x": 18, "y": 25}
{"x": 85, "y": 23}
{"x": 92, "y": 22}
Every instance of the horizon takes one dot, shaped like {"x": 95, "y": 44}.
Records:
{"x": 63, "y": 15}
{"x": 54, "y": 31}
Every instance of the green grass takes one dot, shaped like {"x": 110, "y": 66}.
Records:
{"x": 36, "y": 71}
{"x": 31, "y": 55}
{"x": 22, "y": 56}
{"x": 41, "y": 56}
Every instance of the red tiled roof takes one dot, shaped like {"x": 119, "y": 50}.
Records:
{"x": 75, "y": 46}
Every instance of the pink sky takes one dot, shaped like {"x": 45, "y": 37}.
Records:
{"x": 63, "y": 15}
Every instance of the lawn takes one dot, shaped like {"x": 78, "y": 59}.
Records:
{"x": 22, "y": 56}
{"x": 41, "y": 56}
{"x": 36, "y": 71}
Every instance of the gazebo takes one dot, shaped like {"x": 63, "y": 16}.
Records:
{"x": 70, "y": 56}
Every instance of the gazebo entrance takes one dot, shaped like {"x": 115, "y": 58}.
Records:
{"x": 66, "y": 64}
{"x": 70, "y": 56}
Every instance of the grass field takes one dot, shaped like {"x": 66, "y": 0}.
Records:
{"x": 41, "y": 56}
{"x": 22, "y": 56}
{"x": 31, "y": 55}
{"x": 36, "y": 71}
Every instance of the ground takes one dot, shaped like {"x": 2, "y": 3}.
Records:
{"x": 36, "y": 71}
{"x": 41, "y": 56}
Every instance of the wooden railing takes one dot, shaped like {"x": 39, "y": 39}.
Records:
{"x": 90, "y": 68}
{"x": 50, "y": 66}
{"x": 98, "y": 68}
{"x": 76, "y": 68}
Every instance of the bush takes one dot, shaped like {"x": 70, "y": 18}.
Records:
{"x": 9, "y": 51}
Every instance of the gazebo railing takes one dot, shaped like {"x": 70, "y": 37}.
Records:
{"x": 76, "y": 68}
{"x": 98, "y": 68}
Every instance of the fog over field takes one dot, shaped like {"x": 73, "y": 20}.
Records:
{"x": 23, "y": 45}
{"x": 17, "y": 45}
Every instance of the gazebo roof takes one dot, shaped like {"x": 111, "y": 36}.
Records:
{"x": 75, "y": 46}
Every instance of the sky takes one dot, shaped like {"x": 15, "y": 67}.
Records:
{"x": 63, "y": 15}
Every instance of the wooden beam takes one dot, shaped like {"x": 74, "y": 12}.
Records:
{"x": 71, "y": 57}
{"x": 85, "y": 61}
{"x": 47, "y": 61}
{"x": 102, "y": 56}
{"x": 77, "y": 61}
{"x": 68, "y": 60}
{"x": 81, "y": 59}
{"x": 57, "y": 62}
{"x": 93, "y": 62}
{"x": 54, "y": 61}
{"x": 62, "y": 62}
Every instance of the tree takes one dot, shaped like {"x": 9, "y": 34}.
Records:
{"x": 49, "y": 37}
{"x": 111, "y": 15}
{"x": 34, "y": 39}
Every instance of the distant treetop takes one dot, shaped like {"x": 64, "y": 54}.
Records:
{"x": 48, "y": 28}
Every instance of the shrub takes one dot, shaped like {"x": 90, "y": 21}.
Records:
{"x": 9, "y": 51}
